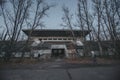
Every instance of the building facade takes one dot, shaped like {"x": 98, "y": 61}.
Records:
{"x": 56, "y": 43}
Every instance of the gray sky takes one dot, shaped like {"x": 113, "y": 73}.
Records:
{"x": 53, "y": 20}
{"x": 55, "y": 14}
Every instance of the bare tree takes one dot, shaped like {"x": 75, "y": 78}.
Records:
{"x": 14, "y": 17}
{"x": 107, "y": 16}
{"x": 67, "y": 22}
{"x": 112, "y": 20}
{"x": 103, "y": 19}
{"x": 67, "y": 19}
{"x": 80, "y": 19}
{"x": 85, "y": 20}
{"x": 98, "y": 10}
{"x": 40, "y": 11}
{"x": 84, "y": 15}
{"x": 20, "y": 14}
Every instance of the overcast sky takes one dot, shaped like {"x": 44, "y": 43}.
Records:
{"x": 55, "y": 14}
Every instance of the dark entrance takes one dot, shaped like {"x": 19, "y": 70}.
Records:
{"x": 58, "y": 53}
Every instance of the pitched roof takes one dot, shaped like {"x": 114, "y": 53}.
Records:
{"x": 55, "y": 33}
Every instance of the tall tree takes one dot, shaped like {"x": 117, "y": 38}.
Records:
{"x": 14, "y": 17}
{"x": 112, "y": 20}
{"x": 98, "y": 10}
{"x": 84, "y": 16}
{"x": 67, "y": 20}
{"x": 19, "y": 14}
{"x": 38, "y": 13}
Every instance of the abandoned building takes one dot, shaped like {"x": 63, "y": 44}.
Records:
{"x": 56, "y": 42}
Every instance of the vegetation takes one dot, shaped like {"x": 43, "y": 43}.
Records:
{"x": 102, "y": 18}
{"x": 18, "y": 15}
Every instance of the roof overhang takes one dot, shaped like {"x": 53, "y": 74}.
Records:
{"x": 55, "y": 33}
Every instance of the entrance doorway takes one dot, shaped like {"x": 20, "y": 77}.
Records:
{"x": 58, "y": 53}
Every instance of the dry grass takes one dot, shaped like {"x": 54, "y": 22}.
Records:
{"x": 82, "y": 60}
{"x": 88, "y": 60}
{"x": 18, "y": 61}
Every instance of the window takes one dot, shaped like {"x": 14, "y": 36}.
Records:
{"x": 64, "y": 39}
{"x": 45, "y": 39}
{"x": 69, "y": 38}
{"x": 54, "y": 38}
{"x": 49, "y": 38}
{"x": 59, "y": 38}
{"x": 40, "y": 39}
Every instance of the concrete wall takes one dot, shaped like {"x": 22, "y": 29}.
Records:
{"x": 41, "y": 52}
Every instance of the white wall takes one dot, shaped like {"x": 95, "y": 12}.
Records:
{"x": 41, "y": 52}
